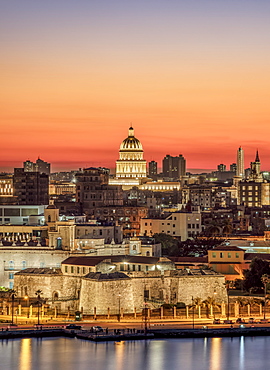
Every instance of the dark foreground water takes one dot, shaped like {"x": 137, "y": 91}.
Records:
{"x": 184, "y": 354}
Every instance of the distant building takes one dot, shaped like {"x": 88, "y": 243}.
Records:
{"x": 40, "y": 166}
{"x": 174, "y": 167}
{"x": 6, "y": 186}
{"x": 183, "y": 225}
{"x": 240, "y": 163}
{"x": 93, "y": 191}
{"x": 233, "y": 167}
{"x": 221, "y": 167}
{"x": 31, "y": 187}
{"x": 152, "y": 169}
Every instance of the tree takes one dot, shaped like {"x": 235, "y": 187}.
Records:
{"x": 253, "y": 276}
{"x": 168, "y": 243}
{"x": 242, "y": 302}
{"x": 210, "y": 303}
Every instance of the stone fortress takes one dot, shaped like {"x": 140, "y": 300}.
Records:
{"x": 102, "y": 284}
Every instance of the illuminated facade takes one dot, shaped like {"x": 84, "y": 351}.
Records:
{"x": 130, "y": 166}
{"x": 240, "y": 170}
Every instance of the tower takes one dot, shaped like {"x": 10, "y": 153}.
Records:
{"x": 174, "y": 167}
{"x": 256, "y": 169}
{"x": 240, "y": 163}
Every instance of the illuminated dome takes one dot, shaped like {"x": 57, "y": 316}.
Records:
{"x": 131, "y": 142}
{"x": 131, "y": 163}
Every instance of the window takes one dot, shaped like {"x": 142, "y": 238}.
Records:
{"x": 83, "y": 270}
{"x": 11, "y": 275}
{"x": 229, "y": 255}
{"x": 237, "y": 255}
{"x": 221, "y": 255}
{"x": 134, "y": 267}
{"x": 66, "y": 269}
{"x": 139, "y": 268}
{"x": 146, "y": 267}
{"x": 122, "y": 267}
{"x": 78, "y": 270}
{"x": 214, "y": 254}
{"x": 72, "y": 269}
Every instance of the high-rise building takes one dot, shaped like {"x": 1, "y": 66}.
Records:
{"x": 240, "y": 163}
{"x": 152, "y": 169}
{"x": 40, "y": 166}
{"x": 31, "y": 187}
{"x": 233, "y": 167}
{"x": 174, "y": 167}
{"x": 221, "y": 167}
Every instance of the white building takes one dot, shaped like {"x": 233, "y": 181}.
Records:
{"x": 183, "y": 225}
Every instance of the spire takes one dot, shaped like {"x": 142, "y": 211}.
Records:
{"x": 257, "y": 157}
{"x": 131, "y": 131}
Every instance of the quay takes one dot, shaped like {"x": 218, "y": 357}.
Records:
{"x": 124, "y": 335}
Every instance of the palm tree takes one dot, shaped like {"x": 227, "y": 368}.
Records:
{"x": 198, "y": 304}
{"x": 210, "y": 303}
{"x": 242, "y": 302}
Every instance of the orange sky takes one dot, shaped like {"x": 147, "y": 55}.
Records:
{"x": 192, "y": 80}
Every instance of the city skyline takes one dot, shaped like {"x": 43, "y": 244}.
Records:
{"x": 193, "y": 79}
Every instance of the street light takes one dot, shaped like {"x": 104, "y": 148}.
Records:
{"x": 228, "y": 300}
{"x": 38, "y": 293}
{"x": 26, "y": 298}
{"x": 265, "y": 279}
{"x": 119, "y": 307}
{"x": 214, "y": 302}
{"x": 145, "y": 317}
{"x": 13, "y": 294}
{"x": 193, "y": 318}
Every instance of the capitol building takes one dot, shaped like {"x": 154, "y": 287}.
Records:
{"x": 130, "y": 167}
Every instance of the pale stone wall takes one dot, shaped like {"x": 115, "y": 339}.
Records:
{"x": 125, "y": 294}
{"x": 25, "y": 258}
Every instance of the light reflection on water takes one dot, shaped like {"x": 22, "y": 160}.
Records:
{"x": 187, "y": 354}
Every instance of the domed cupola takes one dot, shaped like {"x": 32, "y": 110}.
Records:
{"x": 131, "y": 142}
{"x": 131, "y": 163}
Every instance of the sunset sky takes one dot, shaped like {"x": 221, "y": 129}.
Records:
{"x": 193, "y": 78}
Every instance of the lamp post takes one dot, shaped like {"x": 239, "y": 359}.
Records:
{"x": 214, "y": 301}
{"x": 38, "y": 293}
{"x": 119, "y": 307}
{"x": 13, "y": 293}
{"x": 193, "y": 318}
{"x": 145, "y": 317}
{"x": 265, "y": 279}
{"x": 228, "y": 300}
{"x": 26, "y": 298}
